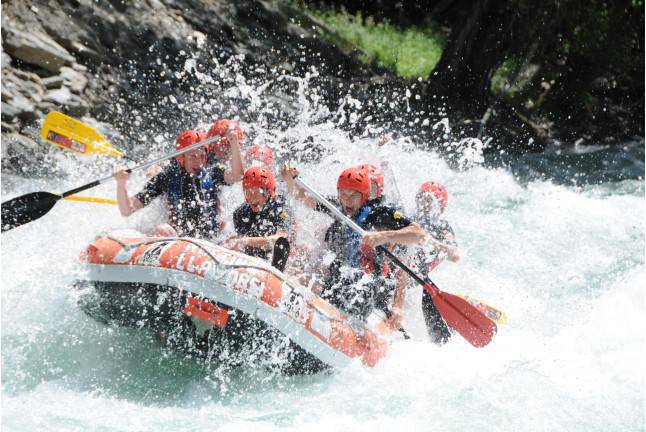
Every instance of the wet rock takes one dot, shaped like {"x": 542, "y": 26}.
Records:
{"x": 63, "y": 98}
{"x": 60, "y": 96}
{"x": 6, "y": 60}
{"x": 28, "y": 84}
{"x": 21, "y": 154}
{"x": 75, "y": 80}
{"x": 14, "y": 104}
{"x": 9, "y": 128}
{"x": 36, "y": 48}
{"x": 52, "y": 82}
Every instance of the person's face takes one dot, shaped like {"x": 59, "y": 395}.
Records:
{"x": 428, "y": 205}
{"x": 222, "y": 150}
{"x": 194, "y": 160}
{"x": 350, "y": 201}
{"x": 256, "y": 198}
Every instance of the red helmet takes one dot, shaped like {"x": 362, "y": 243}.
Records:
{"x": 355, "y": 179}
{"x": 220, "y": 128}
{"x": 376, "y": 177}
{"x": 437, "y": 189}
{"x": 259, "y": 177}
{"x": 260, "y": 153}
{"x": 188, "y": 138}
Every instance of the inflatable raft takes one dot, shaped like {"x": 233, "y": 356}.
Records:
{"x": 221, "y": 303}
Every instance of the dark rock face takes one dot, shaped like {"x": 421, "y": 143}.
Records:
{"x": 152, "y": 64}
{"x": 147, "y": 70}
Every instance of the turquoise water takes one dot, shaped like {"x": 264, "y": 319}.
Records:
{"x": 562, "y": 252}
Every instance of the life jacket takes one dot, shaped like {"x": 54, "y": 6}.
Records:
{"x": 209, "y": 212}
{"x": 353, "y": 245}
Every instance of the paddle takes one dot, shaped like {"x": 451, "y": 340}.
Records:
{"x": 72, "y": 134}
{"x": 458, "y": 313}
{"x": 26, "y": 208}
{"x": 281, "y": 253}
{"x": 499, "y": 316}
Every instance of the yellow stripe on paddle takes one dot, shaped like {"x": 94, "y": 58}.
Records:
{"x": 71, "y": 134}
{"x": 90, "y": 199}
{"x": 497, "y": 315}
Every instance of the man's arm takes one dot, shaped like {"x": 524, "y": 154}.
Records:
{"x": 451, "y": 250}
{"x": 288, "y": 173}
{"x": 127, "y": 205}
{"x": 409, "y": 235}
{"x": 256, "y": 242}
{"x": 236, "y": 172}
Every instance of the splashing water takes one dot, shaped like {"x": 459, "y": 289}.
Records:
{"x": 565, "y": 261}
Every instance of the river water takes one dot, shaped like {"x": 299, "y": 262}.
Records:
{"x": 555, "y": 240}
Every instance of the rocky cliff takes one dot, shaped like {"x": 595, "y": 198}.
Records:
{"x": 146, "y": 65}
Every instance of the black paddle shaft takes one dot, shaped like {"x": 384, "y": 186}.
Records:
{"x": 404, "y": 267}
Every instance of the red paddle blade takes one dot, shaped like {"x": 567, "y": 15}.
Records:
{"x": 463, "y": 317}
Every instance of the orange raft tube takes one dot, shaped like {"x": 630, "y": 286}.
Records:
{"x": 225, "y": 297}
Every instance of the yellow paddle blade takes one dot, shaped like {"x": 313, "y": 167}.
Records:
{"x": 90, "y": 199}
{"x": 498, "y": 316}
{"x": 72, "y": 134}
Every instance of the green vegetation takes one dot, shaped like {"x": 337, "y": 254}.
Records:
{"x": 409, "y": 52}
{"x": 500, "y": 79}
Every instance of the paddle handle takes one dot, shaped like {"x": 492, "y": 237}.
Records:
{"x": 84, "y": 187}
{"x": 142, "y": 166}
{"x": 177, "y": 153}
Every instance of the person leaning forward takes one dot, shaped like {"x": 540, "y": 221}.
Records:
{"x": 356, "y": 277}
{"x": 262, "y": 223}
{"x": 190, "y": 187}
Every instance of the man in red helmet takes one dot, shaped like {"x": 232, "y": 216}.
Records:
{"x": 226, "y": 149}
{"x": 263, "y": 219}
{"x": 377, "y": 184}
{"x": 191, "y": 189}
{"x": 354, "y": 280}
{"x": 431, "y": 201}
{"x": 259, "y": 154}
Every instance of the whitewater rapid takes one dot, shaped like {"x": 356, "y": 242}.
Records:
{"x": 565, "y": 261}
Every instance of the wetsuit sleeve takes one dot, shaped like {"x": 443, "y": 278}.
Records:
{"x": 321, "y": 208}
{"x": 155, "y": 187}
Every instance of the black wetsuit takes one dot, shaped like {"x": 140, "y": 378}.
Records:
{"x": 192, "y": 200}
{"x": 345, "y": 286}
{"x": 441, "y": 231}
{"x": 273, "y": 217}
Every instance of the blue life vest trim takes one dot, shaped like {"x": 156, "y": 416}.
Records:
{"x": 353, "y": 248}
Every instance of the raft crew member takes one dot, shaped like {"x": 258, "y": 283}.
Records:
{"x": 262, "y": 220}
{"x": 431, "y": 201}
{"x": 259, "y": 154}
{"x": 191, "y": 189}
{"x": 376, "y": 197}
{"x": 222, "y": 149}
{"x": 346, "y": 286}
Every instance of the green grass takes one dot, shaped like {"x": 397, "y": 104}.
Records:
{"x": 408, "y": 52}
